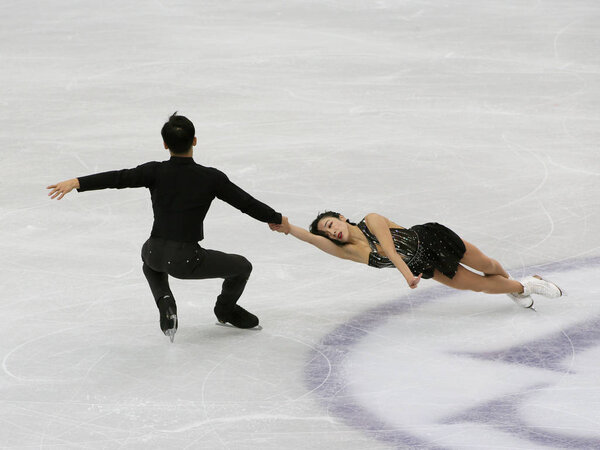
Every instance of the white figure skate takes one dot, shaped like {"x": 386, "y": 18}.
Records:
{"x": 537, "y": 285}
{"x": 522, "y": 299}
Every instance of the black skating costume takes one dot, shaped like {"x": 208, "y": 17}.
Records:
{"x": 182, "y": 192}
{"x": 422, "y": 247}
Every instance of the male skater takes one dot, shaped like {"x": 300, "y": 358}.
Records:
{"x": 182, "y": 192}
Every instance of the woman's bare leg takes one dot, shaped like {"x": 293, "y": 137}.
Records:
{"x": 490, "y": 284}
{"x": 477, "y": 260}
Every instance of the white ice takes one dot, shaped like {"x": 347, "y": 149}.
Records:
{"x": 484, "y": 116}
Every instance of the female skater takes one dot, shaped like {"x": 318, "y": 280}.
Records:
{"x": 422, "y": 251}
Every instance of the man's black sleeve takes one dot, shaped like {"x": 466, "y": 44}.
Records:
{"x": 141, "y": 176}
{"x": 240, "y": 199}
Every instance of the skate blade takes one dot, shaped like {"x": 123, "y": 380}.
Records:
{"x": 171, "y": 331}
{"x": 517, "y": 301}
{"x": 171, "y": 334}
{"x": 530, "y": 307}
{"x": 228, "y": 325}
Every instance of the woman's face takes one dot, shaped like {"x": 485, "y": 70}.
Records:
{"x": 336, "y": 229}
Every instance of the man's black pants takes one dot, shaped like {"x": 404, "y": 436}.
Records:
{"x": 187, "y": 260}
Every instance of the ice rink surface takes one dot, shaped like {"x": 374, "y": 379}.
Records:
{"x": 484, "y": 116}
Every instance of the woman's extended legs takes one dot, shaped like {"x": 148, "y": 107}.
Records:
{"x": 494, "y": 281}
{"x": 490, "y": 284}
{"x": 477, "y": 260}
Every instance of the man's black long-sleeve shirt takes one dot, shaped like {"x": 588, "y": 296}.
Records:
{"x": 181, "y": 192}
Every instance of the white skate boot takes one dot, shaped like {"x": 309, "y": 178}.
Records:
{"x": 522, "y": 299}
{"x": 537, "y": 285}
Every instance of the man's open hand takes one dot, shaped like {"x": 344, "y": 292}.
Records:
{"x": 63, "y": 188}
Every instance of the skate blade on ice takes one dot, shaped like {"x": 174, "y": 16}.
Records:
{"x": 171, "y": 331}
{"x": 171, "y": 334}
{"x": 228, "y": 325}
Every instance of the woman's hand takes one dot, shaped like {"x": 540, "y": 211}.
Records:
{"x": 412, "y": 283}
{"x": 283, "y": 227}
{"x": 63, "y": 188}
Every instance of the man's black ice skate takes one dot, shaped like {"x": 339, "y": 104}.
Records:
{"x": 238, "y": 317}
{"x": 168, "y": 316}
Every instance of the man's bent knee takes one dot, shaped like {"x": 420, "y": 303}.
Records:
{"x": 246, "y": 266}
{"x": 241, "y": 266}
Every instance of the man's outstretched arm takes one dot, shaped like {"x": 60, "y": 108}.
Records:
{"x": 140, "y": 176}
{"x": 63, "y": 188}
{"x": 240, "y": 199}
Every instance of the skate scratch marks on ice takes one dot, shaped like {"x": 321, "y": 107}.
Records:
{"x": 315, "y": 349}
{"x": 519, "y": 199}
{"x": 18, "y": 347}
{"x": 206, "y": 378}
{"x": 251, "y": 417}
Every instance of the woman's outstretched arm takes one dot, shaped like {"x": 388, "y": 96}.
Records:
{"x": 304, "y": 235}
{"x": 380, "y": 226}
